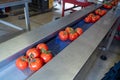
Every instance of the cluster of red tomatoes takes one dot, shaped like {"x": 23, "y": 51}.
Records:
{"x": 100, "y": 12}
{"x": 114, "y": 2}
{"x": 34, "y": 58}
{"x": 92, "y": 18}
{"x": 70, "y": 33}
{"x": 110, "y": 4}
{"x": 107, "y": 6}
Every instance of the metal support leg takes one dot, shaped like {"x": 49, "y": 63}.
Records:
{"x": 10, "y": 25}
{"x": 110, "y": 39}
{"x": 112, "y": 34}
{"x": 63, "y": 8}
{"x": 27, "y": 20}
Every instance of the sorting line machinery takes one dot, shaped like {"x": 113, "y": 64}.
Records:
{"x": 72, "y": 59}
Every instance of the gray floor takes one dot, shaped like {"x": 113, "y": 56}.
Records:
{"x": 100, "y": 67}
{"x": 7, "y": 32}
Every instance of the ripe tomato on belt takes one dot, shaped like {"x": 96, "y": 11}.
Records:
{"x": 33, "y": 53}
{"x": 22, "y": 62}
{"x": 35, "y": 64}
{"x": 63, "y": 35}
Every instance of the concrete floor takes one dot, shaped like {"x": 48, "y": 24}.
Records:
{"x": 100, "y": 67}
{"x": 35, "y": 22}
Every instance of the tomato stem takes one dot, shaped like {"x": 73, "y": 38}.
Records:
{"x": 45, "y": 51}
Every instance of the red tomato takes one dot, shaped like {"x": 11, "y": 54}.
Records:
{"x": 33, "y": 53}
{"x": 97, "y": 11}
{"x": 103, "y": 12}
{"x": 22, "y": 63}
{"x": 73, "y": 36}
{"x": 68, "y": 29}
{"x": 46, "y": 56}
{"x": 63, "y": 35}
{"x": 87, "y": 19}
{"x": 79, "y": 30}
{"x": 91, "y": 15}
{"x": 42, "y": 46}
{"x": 107, "y": 6}
{"x": 94, "y": 19}
{"x": 113, "y": 3}
{"x": 116, "y": 2}
{"x": 35, "y": 64}
{"x": 97, "y": 17}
